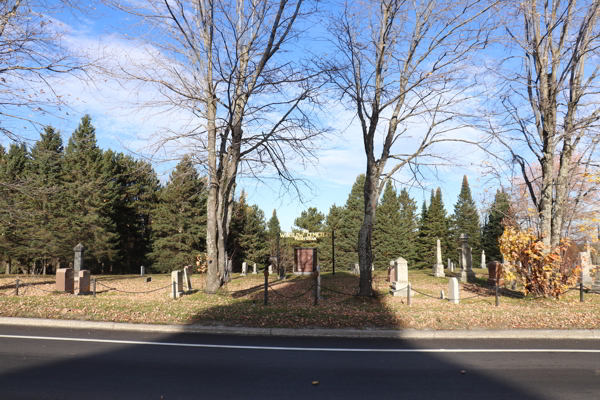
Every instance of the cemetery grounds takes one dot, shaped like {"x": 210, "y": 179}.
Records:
{"x": 291, "y": 303}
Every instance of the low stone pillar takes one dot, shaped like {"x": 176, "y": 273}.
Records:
{"x": 84, "y": 282}
{"x": 438, "y": 267}
{"x": 495, "y": 275}
{"x": 356, "y": 270}
{"x": 244, "y": 268}
{"x": 254, "y": 271}
{"x": 65, "y": 280}
{"x": 177, "y": 278}
{"x": 453, "y": 291}
{"x": 483, "y": 265}
{"x": 142, "y": 271}
{"x": 270, "y": 269}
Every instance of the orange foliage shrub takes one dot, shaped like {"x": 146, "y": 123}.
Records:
{"x": 549, "y": 276}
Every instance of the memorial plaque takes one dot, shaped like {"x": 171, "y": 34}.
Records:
{"x": 84, "y": 282}
{"x": 305, "y": 260}
{"x": 495, "y": 277}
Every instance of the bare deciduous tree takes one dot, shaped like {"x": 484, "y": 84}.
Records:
{"x": 545, "y": 107}
{"x": 231, "y": 70}
{"x": 405, "y": 72}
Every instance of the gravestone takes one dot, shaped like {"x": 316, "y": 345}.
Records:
{"x": 305, "y": 260}
{"x": 78, "y": 262}
{"x": 453, "y": 291}
{"x": 147, "y": 279}
{"x": 244, "y": 268}
{"x": 483, "y": 265}
{"x": 142, "y": 271}
{"x": 64, "y": 280}
{"x": 495, "y": 276}
{"x": 438, "y": 267}
{"x": 177, "y": 278}
{"x": 84, "y": 282}
{"x": 270, "y": 269}
{"x": 187, "y": 272}
{"x": 584, "y": 262}
{"x": 450, "y": 266}
{"x": 254, "y": 271}
{"x": 466, "y": 273}
{"x": 399, "y": 286}
{"x": 356, "y": 270}
{"x": 596, "y": 285}
{"x": 391, "y": 271}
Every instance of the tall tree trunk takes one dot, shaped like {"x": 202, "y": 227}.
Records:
{"x": 365, "y": 252}
{"x": 545, "y": 205}
{"x": 562, "y": 192}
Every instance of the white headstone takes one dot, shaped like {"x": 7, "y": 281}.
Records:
{"x": 438, "y": 267}
{"x": 483, "y": 264}
{"x": 442, "y": 296}
{"x": 244, "y": 268}
{"x": 177, "y": 278}
{"x": 356, "y": 269}
{"x": 400, "y": 286}
{"x": 372, "y": 267}
{"x": 270, "y": 268}
{"x": 254, "y": 269}
{"x": 142, "y": 271}
{"x": 453, "y": 291}
{"x": 187, "y": 271}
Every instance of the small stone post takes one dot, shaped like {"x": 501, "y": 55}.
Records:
{"x": 254, "y": 271}
{"x": 244, "y": 268}
{"x": 453, "y": 291}
{"x": 483, "y": 264}
{"x": 177, "y": 280}
{"x": 142, "y": 271}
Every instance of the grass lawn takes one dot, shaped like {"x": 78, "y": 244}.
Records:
{"x": 241, "y": 303}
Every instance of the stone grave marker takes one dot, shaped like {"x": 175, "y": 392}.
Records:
{"x": 495, "y": 276}
{"x": 142, "y": 271}
{"x": 391, "y": 271}
{"x": 438, "y": 267}
{"x": 84, "y": 282}
{"x": 64, "y": 280}
{"x": 254, "y": 271}
{"x": 399, "y": 286}
{"x": 453, "y": 291}
{"x": 78, "y": 261}
{"x": 305, "y": 260}
{"x": 483, "y": 264}
{"x": 584, "y": 262}
{"x": 466, "y": 273}
{"x": 177, "y": 278}
{"x": 244, "y": 268}
{"x": 187, "y": 272}
{"x": 270, "y": 269}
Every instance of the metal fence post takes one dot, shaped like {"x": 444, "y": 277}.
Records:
{"x": 94, "y": 287}
{"x": 174, "y": 290}
{"x": 581, "y": 291}
{"x": 317, "y": 286}
{"x": 266, "y": 286}
{"x": 409, "y": 294}
{"x": 17, "y": 287}
{"x": 497, "y": 299}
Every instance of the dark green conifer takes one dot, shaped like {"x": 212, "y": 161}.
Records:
{"x": 466, "y": 220}
{"x": 493, "y": 227}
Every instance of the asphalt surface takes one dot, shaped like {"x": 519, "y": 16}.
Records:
{"x": 58, "y": 363}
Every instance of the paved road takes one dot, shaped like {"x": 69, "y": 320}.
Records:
{"x": 47, "y": 363}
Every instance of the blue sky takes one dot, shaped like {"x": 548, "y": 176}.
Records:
{"x": 339, "y": 163}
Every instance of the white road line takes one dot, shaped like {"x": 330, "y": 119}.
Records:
{"x": 226, "y": 346}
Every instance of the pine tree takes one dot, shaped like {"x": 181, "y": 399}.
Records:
{"x": 253, "y": 239}
{"x": 408, "y": 224}
{"x": 310, "y": 220}
{"x": 493, "y": 228}
{"x": 90, "y": 186}
{"x": 273, "y": 233}
{"x": 387, "y": 240}
{"x": 179, "y": 219}
{"x": 346, "y": 253}
{"x": 434, "y": 227}
{"x": 332, "y": 226}
{"x": 46, "y": 220}
{"x": 466, "y": 220}
{"x": 235, "y": 250}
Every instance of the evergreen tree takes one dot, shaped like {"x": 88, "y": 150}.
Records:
{"x": 273, "y": 233}
{"x": 253, "y": 237}
{"x": 332, "y": 226}
{"x": 387, "y": 240}
{"x": 408, "y": 227}
{"x": 466, "y": 220}
{"x": 46, "y": 220}
{"x": 90, "y": 186}
{"x": 179, "y": 219}
{"x": 493, "y": 227}
{"x": 432, "y": 228}
{"x": 346, "y": 243}
{"x": 310, "y": 220}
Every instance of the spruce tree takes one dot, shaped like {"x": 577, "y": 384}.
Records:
{"x": 253, "y": 238}
{"x": 332, "y": 226}
{"x": 408, "y": 227}
{"x": 466, "y": 220}
{"x": 387, "y": 240}
{"x": 352, "y": 219}
{"x": 310, "y": 220}
{"x": 90, "y": 186}
{"x": 179, "y": 219}
{"x": 493, "y": 227}
{"x": 274, "y": 231}
{"x": 434, "y": 227}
